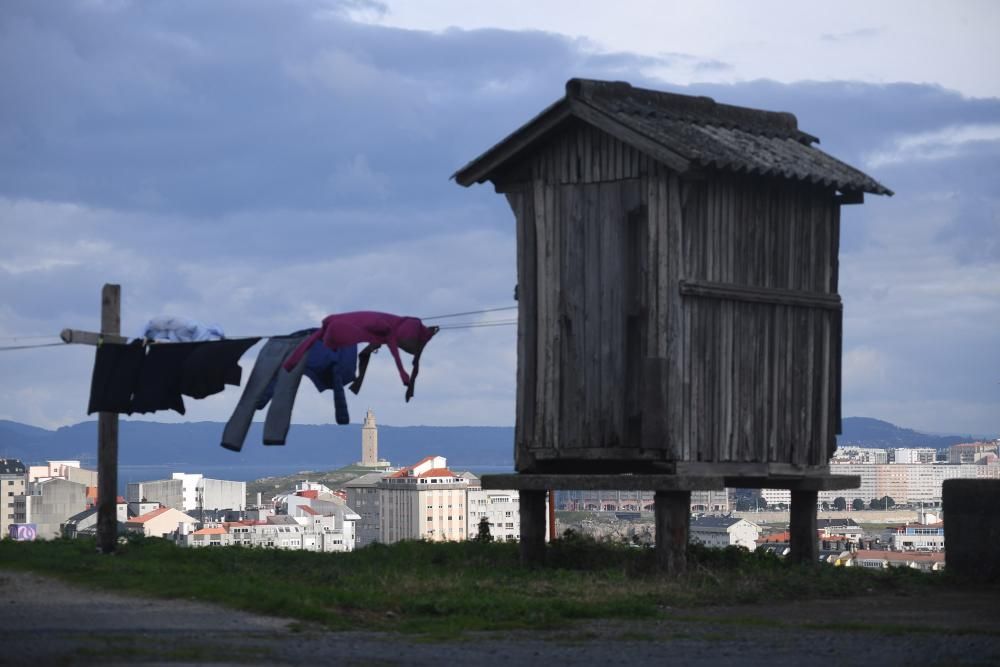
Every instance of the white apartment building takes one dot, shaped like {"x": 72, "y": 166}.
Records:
{"x": 13, "y": 483}
{"x": 919, "y": 537}
{"x": 603, "y": 500}
{"x": 775, "y": 496}
{"x": 724, "y": 531}
{"x": 913, "y": 455}
{"x": 855, "y": 454}
{"x": 914, "y": 483}
{"x": 501, "y": 509}
{"x": 68, "y": 470}
{"x": 710, "y": 501}
{"x": 426, "y": 501}
{"x": 971, "y": 452}
{"x": 161, "y": 522}
{"x": 326, "y": 534}
{"x": 190, "y": 492}
{"x": 48, "y": 504}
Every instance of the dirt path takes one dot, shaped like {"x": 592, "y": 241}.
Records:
{"x": 44, "y": 621}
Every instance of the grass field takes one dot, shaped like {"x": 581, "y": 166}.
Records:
{"x": 443, "y": 589}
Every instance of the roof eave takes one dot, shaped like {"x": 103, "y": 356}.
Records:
{"x": 524, "y": 138}
{"x": 481, "y": 168}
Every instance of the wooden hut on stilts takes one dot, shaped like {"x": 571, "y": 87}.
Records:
{"x": 679, "y": 321}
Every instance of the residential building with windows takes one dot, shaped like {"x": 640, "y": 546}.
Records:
{"x": 84, "y": 524}
{"x": 162, "y": 522}
{"x": 880, "y": 560}
{"x": 919, "y": 537}
{"x": 970, "y": 452}
{"x": 13, "y": 483}
{"x": 602, "y": 500}
{"x": 855, "y": 454}
{"x": 912, "y": 483}
{"x": 839, "y": 530}
{"x": 501, "y": 508}
{"x": 426, "y": 501}
{"x": 913, "y": 455}
{"x": 775, "y": 496}
{"x": 364, "y": 498}
{"x": 312, "y": 532}
{"x": 724, "y": 531}
{"x": 68, "y": 470}
{"x": 190, "y": 492}
{"x": 48, "y": 504}
{"x": 207, "y": 537}
{"x": 325, "y": 514}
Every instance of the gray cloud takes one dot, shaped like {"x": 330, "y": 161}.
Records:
{"x": 853, "y": 35}
{"x": 260, "y": 164}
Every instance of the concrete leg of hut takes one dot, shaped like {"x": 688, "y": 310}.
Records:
{"x": 533, "y": 521}
{"x": 804, "y": 547}
{"x": 673, "y": 520}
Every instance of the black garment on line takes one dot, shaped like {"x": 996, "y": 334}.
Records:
{"x": 116, "y": 371}
{"x": 164, "y": 373}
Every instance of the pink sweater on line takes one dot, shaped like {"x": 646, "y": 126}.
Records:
{"x": 364, "y": 326}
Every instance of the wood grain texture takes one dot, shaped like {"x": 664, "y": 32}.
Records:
{"x": 729, "y": 281}
{"x": 107, "y": 437}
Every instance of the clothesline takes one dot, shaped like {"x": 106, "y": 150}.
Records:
{"x": 470, "y": 312}
{"x": 475, "y": 325}
{"x": 470, "y": 325}
{"x": 6, "y": 348}
{"x": 449, "y": 327}
{"x": 29, "y": 337}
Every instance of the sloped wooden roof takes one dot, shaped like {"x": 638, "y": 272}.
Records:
{"x": 682, "y": 131}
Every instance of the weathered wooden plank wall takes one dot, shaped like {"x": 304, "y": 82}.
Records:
{"x": 760, "y": 359}
{"x": 714, "y": 299}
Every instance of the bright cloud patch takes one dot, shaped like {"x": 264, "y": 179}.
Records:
{"x": 943, "y": 144}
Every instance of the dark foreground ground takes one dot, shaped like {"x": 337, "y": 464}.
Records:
{"x": 44, "y": 621}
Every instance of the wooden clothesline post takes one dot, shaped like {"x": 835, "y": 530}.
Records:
{"x": 107, "y": 422}
{"x": 107, "y": 437}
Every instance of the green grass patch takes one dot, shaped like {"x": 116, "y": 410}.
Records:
{"x": 445, "y": 589}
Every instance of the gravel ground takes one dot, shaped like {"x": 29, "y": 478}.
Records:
{"x": 44, "y": 621}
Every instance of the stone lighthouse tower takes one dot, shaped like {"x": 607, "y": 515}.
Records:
{"x": 369, "y": 441}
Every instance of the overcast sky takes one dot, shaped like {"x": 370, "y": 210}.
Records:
{"x": 260, "y": 164}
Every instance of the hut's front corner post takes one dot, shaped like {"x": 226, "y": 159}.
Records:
{"x": 673, "y": 522}
{"x": 533, "y": 522}
{"x": 804, "y": 545}
{"x": 107, "y": 438}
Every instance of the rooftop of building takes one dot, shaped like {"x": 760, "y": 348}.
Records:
{"x": 685, "y": 132}
{"x": 714, "y": 521}
{"x": 149, "y": 516}
{"x": 901, "y": 556}
{"x": 12, "y": 467}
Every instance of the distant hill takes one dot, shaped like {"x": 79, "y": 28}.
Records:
{"x": 877, "y": 433}
{"x": 317, "y": 447}
{"x": 195, "y": 445}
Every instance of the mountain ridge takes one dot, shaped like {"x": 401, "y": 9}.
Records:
{"x": 328, "y": 446}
